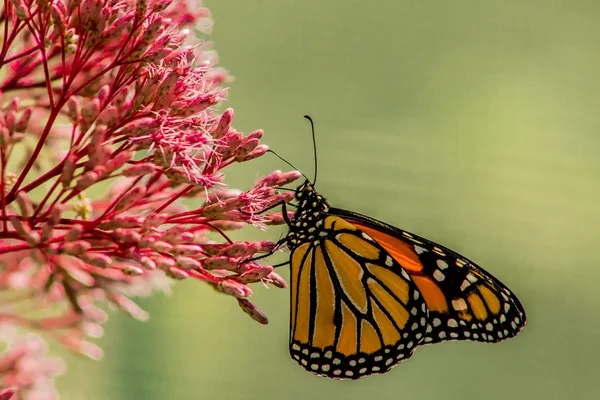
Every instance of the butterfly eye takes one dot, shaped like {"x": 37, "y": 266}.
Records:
{"x": 302, "y": 189}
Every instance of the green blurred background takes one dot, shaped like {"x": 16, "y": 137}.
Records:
{"x": 473, "y": 123}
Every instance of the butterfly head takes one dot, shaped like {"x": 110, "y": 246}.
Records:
{"x": 309, "y": 200}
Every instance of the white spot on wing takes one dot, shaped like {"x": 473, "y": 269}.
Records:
{"x": 465, "y": 285}
{"x": 389, "y": 261}
{"x": 404, "y": 274}
{"x": 459, "y": 304}
{"x": 419, "y": 249}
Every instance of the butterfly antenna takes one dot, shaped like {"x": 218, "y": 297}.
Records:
{"x": 287, "y": 162}
{"x": 312, "y": 127}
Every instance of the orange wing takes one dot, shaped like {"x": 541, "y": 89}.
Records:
{"x": 354, "y": 310}
{"x": 463, "y": 300}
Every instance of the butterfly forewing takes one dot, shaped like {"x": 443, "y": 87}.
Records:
{"x": 464, "y": 301}
{"x": 354, "y": 310}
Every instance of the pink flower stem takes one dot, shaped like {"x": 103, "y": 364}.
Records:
{"x": 43, "y": 56}
{"x": 116, "y": 200}
{"x": 44, "y": 178}
{"x": 219, "y": 231}
{"x": 203, "y": 275}
{"x": 172, "y": 199}
{"x": 40, "y": 207}
{"x": 9, "y": 39}
{"x": 2, "y": 186}
{"x": 20, "y": 55}
{"x": 36, "y": 152}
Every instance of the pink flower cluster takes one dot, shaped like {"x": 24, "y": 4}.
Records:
{"x": 108, "y": 127}
{"x": 24, "y": 368}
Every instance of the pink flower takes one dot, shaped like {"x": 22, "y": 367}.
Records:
{"x": 7, "y": 394}
{"x": 25, "y": 370}
{"x": 108, "y": 127}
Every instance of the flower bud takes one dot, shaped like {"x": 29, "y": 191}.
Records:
{"x": 233, "y": 288}
{"x": 77, "y": 247}
{"x": 187, "y": 262}
{"x": 68, "y": 170}
{"x": 257, "y": 152}
{"x": 276, "y": 280}
{"x": 86, "y": 180}
{"x": 74, "y": 233}
{"x": 130, "y": 198}
{"x": 253, "y": 311}
{"x": 255, "y": 274}
{"x": 177, "y": 273}
{"x": 224, "y": 124}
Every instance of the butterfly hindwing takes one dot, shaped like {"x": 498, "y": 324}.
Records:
{"x": 354, "y": 310}
{"x": 464, "y": 301}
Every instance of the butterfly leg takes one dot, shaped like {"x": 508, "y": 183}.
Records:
{"x": 280, "y": 242}
{"x": 280, "y": 203}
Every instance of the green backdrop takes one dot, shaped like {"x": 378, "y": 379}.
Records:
{"x": 473, "y": 123}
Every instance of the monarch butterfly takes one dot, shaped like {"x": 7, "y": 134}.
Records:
{"x": 365, "y": 294}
